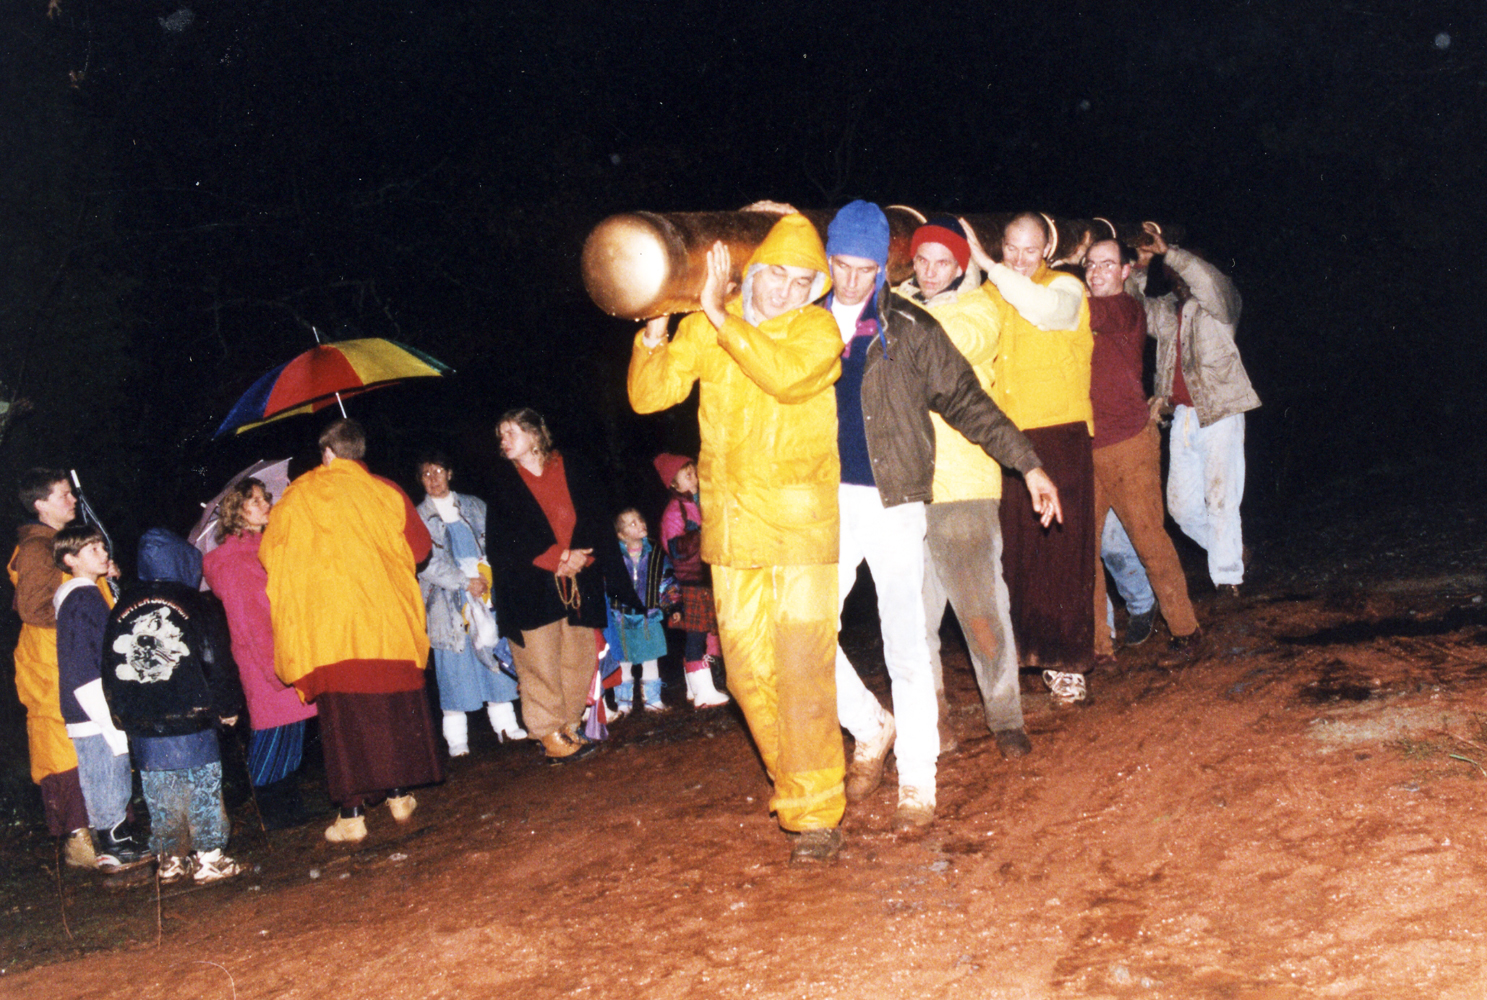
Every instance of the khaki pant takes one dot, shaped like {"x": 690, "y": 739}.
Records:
{"x": 554, "y": 666}
{"x": 963, "y": 565}
{"x": 777, "y": 625}
{"x": 1128, "y": 479}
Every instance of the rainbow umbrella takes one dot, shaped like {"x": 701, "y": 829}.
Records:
{"x": 324, "y": 375}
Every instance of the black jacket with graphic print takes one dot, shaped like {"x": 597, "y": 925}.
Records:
{"x": 167, "y": 665}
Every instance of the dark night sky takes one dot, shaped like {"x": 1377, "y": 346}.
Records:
{"x": 428, "y": 171}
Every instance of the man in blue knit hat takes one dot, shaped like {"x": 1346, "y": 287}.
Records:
{"x": 897, "y": 366}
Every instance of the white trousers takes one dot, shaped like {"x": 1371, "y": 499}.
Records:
{"x": 1205, "y": 483}
{"x": 891, "y": 539}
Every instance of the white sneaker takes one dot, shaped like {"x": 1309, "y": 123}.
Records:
{"x": 1066, "y": 689}
{"x": 916, "y": 808}
{"x": 213, "y": 866}
{"x": 172, "y": 869}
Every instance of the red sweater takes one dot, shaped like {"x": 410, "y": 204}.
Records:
{"x": 550, "y": 489}
{"x": 1115, "y": 390}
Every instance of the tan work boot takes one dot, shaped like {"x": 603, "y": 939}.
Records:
{"x": 865, "y": 773}
{"x": 347, "y": 829}
{"x": 401, "y": 807}
{"x": 79, "y": 852}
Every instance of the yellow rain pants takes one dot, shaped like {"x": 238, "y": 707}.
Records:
{"x": 777, "y": 625}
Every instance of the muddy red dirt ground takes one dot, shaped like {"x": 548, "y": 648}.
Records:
{"x": 1298, "y": 815}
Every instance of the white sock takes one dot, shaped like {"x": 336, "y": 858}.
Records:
{"x": 457, "y": 732}
{"x": 503, "y": 717}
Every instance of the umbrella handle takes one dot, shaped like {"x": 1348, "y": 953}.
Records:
{"x": 90, "y": 516}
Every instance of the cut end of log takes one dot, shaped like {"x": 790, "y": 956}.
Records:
{"x": 627, "y": 264}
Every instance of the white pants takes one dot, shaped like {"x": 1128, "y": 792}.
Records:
{"x": 1205, "y": 482}
{"x": 892, "y": 541}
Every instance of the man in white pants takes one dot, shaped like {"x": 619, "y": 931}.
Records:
{"x": 897, "y": 366}
{"x": 1199, "y": 373}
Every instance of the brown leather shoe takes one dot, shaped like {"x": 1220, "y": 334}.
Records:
{"x": 557, "y": 745}
{"x": 560, "y": 747}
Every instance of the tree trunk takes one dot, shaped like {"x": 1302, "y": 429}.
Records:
{"x": 643, "y": 264}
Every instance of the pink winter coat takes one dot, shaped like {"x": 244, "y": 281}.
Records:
{"x": 236, "y": 576}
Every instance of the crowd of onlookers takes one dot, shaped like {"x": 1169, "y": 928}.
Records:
{"x": 841, "y": 420}
{"x": 145, "y": 679}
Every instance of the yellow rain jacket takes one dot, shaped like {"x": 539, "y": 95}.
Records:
{"x": 972, "y": 318}
{"x": 36, "y": 677}
{"x": 769, "y": 474}
{"x": 342, "y": 589}
{"x": 1042, "y": 376}
{"x": 768, "y": 470}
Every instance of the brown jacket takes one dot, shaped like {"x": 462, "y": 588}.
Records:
{"x": 37, "y": 577}
{"x": 920, "y": 371}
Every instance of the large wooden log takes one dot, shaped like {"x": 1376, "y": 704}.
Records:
{"x": 643, "y": 264}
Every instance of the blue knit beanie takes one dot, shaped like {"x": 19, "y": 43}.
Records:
{"x": 860, "y": 229}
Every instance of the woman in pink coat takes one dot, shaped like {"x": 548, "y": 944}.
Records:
{"x": 275, "y": 712}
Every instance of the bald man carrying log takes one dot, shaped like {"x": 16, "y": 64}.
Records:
{"x": 1041, "y": 380}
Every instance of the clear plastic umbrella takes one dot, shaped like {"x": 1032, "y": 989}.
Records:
{"x": 274, "y": 473}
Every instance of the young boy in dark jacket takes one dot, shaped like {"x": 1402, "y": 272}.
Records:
{"x": 170, "y": 679}
{"x": 102, "y": 748}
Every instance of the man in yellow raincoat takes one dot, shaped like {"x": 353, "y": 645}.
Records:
{"x": 341, "y": 550}
{"x": 768, "y": 471}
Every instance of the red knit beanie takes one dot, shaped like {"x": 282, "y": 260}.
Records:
{"x": 947, "y": 232}
{"x": 668, "y": 465}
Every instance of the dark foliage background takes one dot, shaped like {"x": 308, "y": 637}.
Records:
{"x": 184, "y": 193}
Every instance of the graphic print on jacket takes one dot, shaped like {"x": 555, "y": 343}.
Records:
{"x": 153, "y": 647}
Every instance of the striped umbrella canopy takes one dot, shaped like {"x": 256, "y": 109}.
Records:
{"x": 327, "y": 374}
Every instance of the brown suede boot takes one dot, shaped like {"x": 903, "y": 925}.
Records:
{"x": 78, "y": 851}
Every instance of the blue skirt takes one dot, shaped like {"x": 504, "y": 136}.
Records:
{"x": 466, "y": 684}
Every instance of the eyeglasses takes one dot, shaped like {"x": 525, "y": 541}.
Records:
{"x": 1102, "y": 265}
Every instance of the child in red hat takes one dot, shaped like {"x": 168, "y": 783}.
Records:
{"x": 681, "y": 535}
